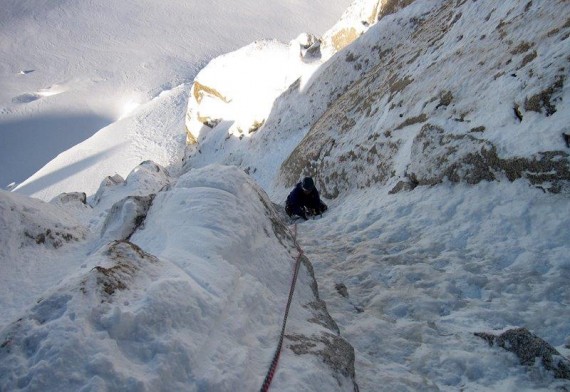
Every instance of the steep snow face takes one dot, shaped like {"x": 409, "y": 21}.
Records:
{"x": 247, "y": 104}
{"x": 467, "y": 91}
{"x": 240, "y": 87}
{"x": 192, "y": 297}
{"x": 152, "y": 132}
{"x": 269, "y": 89}
{"x": 181, "y": 277}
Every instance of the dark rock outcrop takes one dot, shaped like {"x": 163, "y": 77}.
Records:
{"x": 125, "y": 217}
{"x": 107, "y": 183}
{"x": 71, "y": 197}
{"x": 437, "y": 154}
{"x": 529, "y": 347}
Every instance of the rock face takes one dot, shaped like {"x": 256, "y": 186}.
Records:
{"x": 125, "y": 217}
{"x": 246, "y": 81}
{"x": 356, "y": 20}
{"x": 437, "y": 155}
{"x": 444, "y": 84}
{"x": 530, "y": 348}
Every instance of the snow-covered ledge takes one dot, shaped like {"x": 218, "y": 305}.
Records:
{"x": 236, "y": 91}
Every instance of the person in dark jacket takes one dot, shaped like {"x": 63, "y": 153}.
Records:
{"x": 304, "y": 200}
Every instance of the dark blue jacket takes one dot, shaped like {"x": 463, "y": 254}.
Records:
{"x": 299, "y": 203}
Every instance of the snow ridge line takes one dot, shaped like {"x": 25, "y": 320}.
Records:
{"x": 275, "y": 361}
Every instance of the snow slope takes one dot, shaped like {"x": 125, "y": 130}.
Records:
{"x": 412, "y": 259}
{"x": 424, "y": 270}
{"x": 71, "y": 68}
{"x": 199, "y": 286}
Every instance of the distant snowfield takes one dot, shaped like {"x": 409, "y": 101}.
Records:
{"x": 70, "y": 68}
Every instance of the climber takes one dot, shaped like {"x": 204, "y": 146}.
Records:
{"x": 304, "y": 200}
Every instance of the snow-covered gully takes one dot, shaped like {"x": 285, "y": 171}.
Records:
{"x": 410, "y": 278}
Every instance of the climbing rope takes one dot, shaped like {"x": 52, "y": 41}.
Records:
{"x": 273, "y": 367}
